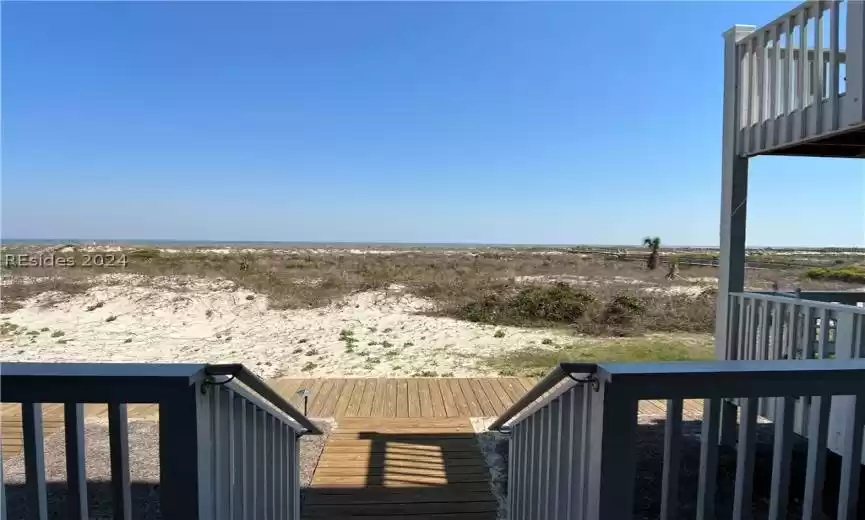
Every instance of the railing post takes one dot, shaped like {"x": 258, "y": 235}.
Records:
{"x": 847, "y": 344}
{"x": 612, "y": 456}
{"x": 118, "y": 438}
{"x": 856, "y": 59}
{"x": 34, "y": 460}
{"x": 76, "y": 476}
{"x": 734, "y": 189}
{"x": 184, "y": 447}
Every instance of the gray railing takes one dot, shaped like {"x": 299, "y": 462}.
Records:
{"x": 772, "y": 327}
{"x": 783, "y": 326}
{"x": 854, "y": 298}
{"x": 793, "y": 78}
{"x": 228, "y": 444}
{"x": 573, "y": 437}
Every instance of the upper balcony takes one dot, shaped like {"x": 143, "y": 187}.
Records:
{"x": 798, "y": 82}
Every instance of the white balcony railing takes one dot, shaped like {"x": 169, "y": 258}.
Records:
{"x": 794, "y": 78}
{"x": 776, "y": 327}
{"x": 228, "y": 444}
{"x": 573, "y": 438}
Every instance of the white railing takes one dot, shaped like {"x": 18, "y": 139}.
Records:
{"x": 794, "y": 79}
{"x": 573, "y": 438}
{"x": 765, "y": 326}
{"x": 228, "y": 444}
{"x": 774, "y": 327}
{"x": 854, "y": 298}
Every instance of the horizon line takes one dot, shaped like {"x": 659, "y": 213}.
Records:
{"x": 192, "y": 242}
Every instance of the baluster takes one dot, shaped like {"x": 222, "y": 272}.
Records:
{"x": 834, "y": 65}
{"x": 34, "y": 459}
{"x": 782, "y": 455}
{"x": 672, "y": 447}
{"x": 802, "y": 90}
{"x": 851, "y": 456}
{"x": 76, "y": 475}
{"x": 745, "y": 451}
{"x": 708, "y": 459}
{"x": 815, "y": 472}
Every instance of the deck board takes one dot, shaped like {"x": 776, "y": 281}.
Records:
{"x": 420, "y": 397}
{"x": 379, "y": 397}
{"x": 344, "y": 398}
{"x": 401, "y": 468}
{"x": 413, "y": 398}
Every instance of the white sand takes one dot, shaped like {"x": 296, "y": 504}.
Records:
{"x": 198, "y": 320}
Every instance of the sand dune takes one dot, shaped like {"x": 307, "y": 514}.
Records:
{"x": 173, "y": 319}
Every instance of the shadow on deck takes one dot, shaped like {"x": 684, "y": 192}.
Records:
{"x": 401, "y": 469}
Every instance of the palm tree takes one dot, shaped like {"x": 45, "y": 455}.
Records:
{"x": 655, "y": 245}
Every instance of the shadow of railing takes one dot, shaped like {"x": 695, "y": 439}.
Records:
{"x": 403, "y": 474}
{"x": 144, "y": 500}
{"x": 649, "y": 471}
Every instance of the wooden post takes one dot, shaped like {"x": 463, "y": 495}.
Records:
{"x": 734, "y": 192}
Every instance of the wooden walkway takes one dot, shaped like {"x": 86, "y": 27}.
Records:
{"x": 421, "y": 397}
{"x": 401, "y": 468}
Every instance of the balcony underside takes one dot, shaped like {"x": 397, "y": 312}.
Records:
{"x": 847, "y": 144}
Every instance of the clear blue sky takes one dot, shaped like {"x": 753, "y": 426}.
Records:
{"x": 415, "y": 122}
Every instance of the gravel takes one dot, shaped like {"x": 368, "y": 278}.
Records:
{"x": 650, "y": 449}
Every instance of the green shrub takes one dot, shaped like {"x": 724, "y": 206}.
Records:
{"x": 623, "y": 309}
{"x": 850, "y": 274}
{"x": 536, "y": 304}
{"x": 147, "y": 253}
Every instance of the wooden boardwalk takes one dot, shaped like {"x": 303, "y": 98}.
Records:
{"x": 401, "y": 468}
{"x": 421, "y": 397}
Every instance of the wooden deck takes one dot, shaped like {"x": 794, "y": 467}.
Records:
{"x": 421, "y": 397}
{"x": 401, "y": 468}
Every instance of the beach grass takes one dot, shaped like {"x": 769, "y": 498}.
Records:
{"x": 537, "y": 361}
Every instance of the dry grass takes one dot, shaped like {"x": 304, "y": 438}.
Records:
{"x": 480, "y": 285}
{"x": 12, "y": 294}
{"x": 538, "y": 361}
{"x": 604, "y": 310}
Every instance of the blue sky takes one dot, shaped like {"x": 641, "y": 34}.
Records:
{"x": 415, "y": 122}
